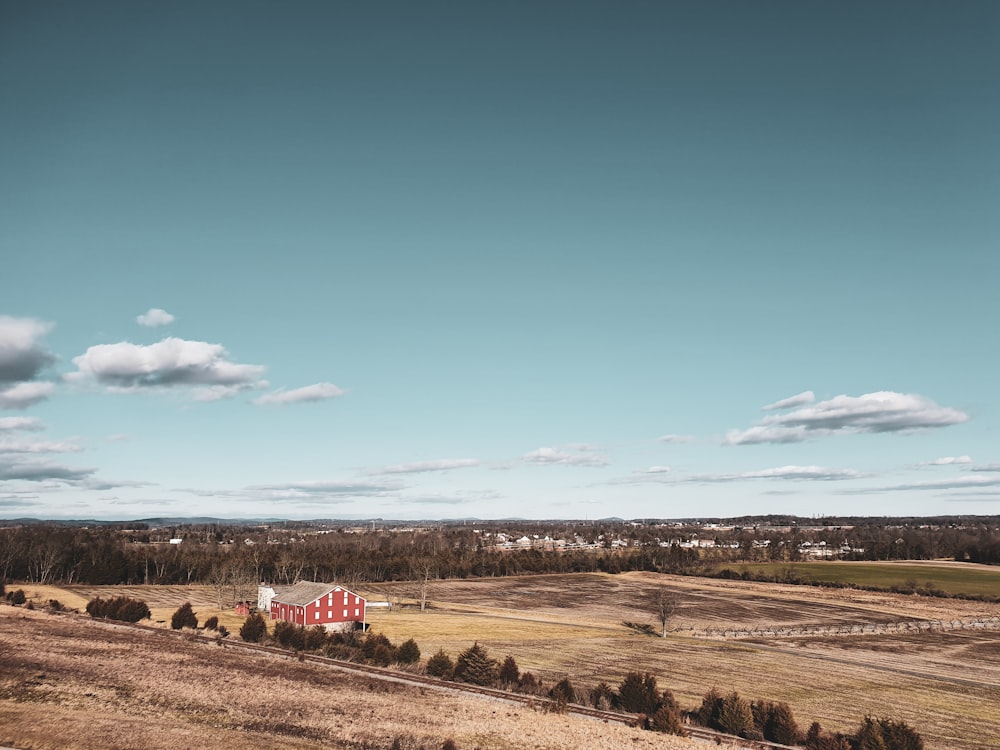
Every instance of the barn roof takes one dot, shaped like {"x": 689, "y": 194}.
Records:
{"x": 304, "y": 592}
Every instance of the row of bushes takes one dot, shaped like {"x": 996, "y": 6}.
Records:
{"x": 756, "y": 720}
{"x": 17, "y": 598}
{"x": 121, "y": 608}
{"x": 371, "y": 648}
{"x": 127, "y": 609}
{"x": 186, "y": 617}
{"x": 766, "y": 720}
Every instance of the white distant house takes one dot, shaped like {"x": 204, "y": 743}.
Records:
{"x": 265, "y": 594}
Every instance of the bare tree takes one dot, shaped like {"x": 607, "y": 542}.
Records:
{"x": 243, "y": 580}
{"x": 423, "y": 572}
{"x": 9, "y": 552}
{"x": 218, "y": 579}
{"x": 662, "y": 604}
{"x": 290, "y": 566}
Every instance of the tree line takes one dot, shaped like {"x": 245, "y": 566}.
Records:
{"x": 97, "y": 556}
{"x": 234, "y": 559}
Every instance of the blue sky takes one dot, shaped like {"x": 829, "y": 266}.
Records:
{"x": 429, "y": 260}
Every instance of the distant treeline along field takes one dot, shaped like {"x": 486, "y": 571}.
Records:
{"x": 235, "y": 557}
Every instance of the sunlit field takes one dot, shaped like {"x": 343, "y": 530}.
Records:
{"x": 964, "y": 579}
{"x": 945, "y": 683}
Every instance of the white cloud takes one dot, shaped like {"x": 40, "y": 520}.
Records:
{"x": 111, "y": 484}
{"x": 573, "y": 455}
{"x": 766, "y": 434}
{"x": 220, "y": 392}
{"x": 10, "y": 424}
{"x": 170, "y": 362}
{"x": 676, "y": 439}
{"x": 14, "y": 501}
{"x": 986, "y": 467}
{"x": 155, "y": 317}
{"x": 432, "y": 499}
{"x": 782, "y": 473}
{"x": 884, "y": 411}
{"x": 820, "y": 473}
{"x": 321, "y": 490}
{"x": 314, "y": 392}
{"x": 22, "y": 355}
{"x": 23, "y": 395}
{"x": 949, "y": 461}
{"x": 806, "y": 397}
{"x": 966, "y": 481}
{"x": 420, "y": 467}
{"x": 31, "y": 470}
{"x": 39, "y": 446}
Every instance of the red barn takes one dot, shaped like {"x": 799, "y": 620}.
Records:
{"x": 309, "y": 603}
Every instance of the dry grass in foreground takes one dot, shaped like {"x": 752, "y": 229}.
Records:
{"x": 945, "y": 685}
{"x": 73, "y": 684}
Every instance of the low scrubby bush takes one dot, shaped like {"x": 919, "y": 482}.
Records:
{"x": 817, "y": 739}
{"x": 289, "y": 635}
{"x": 382, "y": 656}
{"x": 254, "y": 628}
{"x": 667, "y": 718}
{"x": 886, "y": 734}
{"x": 530, "y": 685}
{"x": 775, "y": 722}
{"x": 314, "y": 638}
{"x": 121, "y": 608}
{"x": 602, "y": 696}
{"x": 638, "y": 694}
{"x": 730, "y": 714}
{"x": 441, "y": 665}
{"x": 408, "y": 652}
{"x": 563, "y": 692}
{"x": 370, "y": 648}
{"x": 184, "y": 617}
{"x": 475, "y": 666}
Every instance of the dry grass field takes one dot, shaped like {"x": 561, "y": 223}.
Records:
{"x": 72, "y": 684}
{"x": 945, "y": 684}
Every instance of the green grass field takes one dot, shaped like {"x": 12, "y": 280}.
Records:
{"x": 950, "y": 578}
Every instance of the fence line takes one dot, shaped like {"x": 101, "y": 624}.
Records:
{"x": 843, "y": 629}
